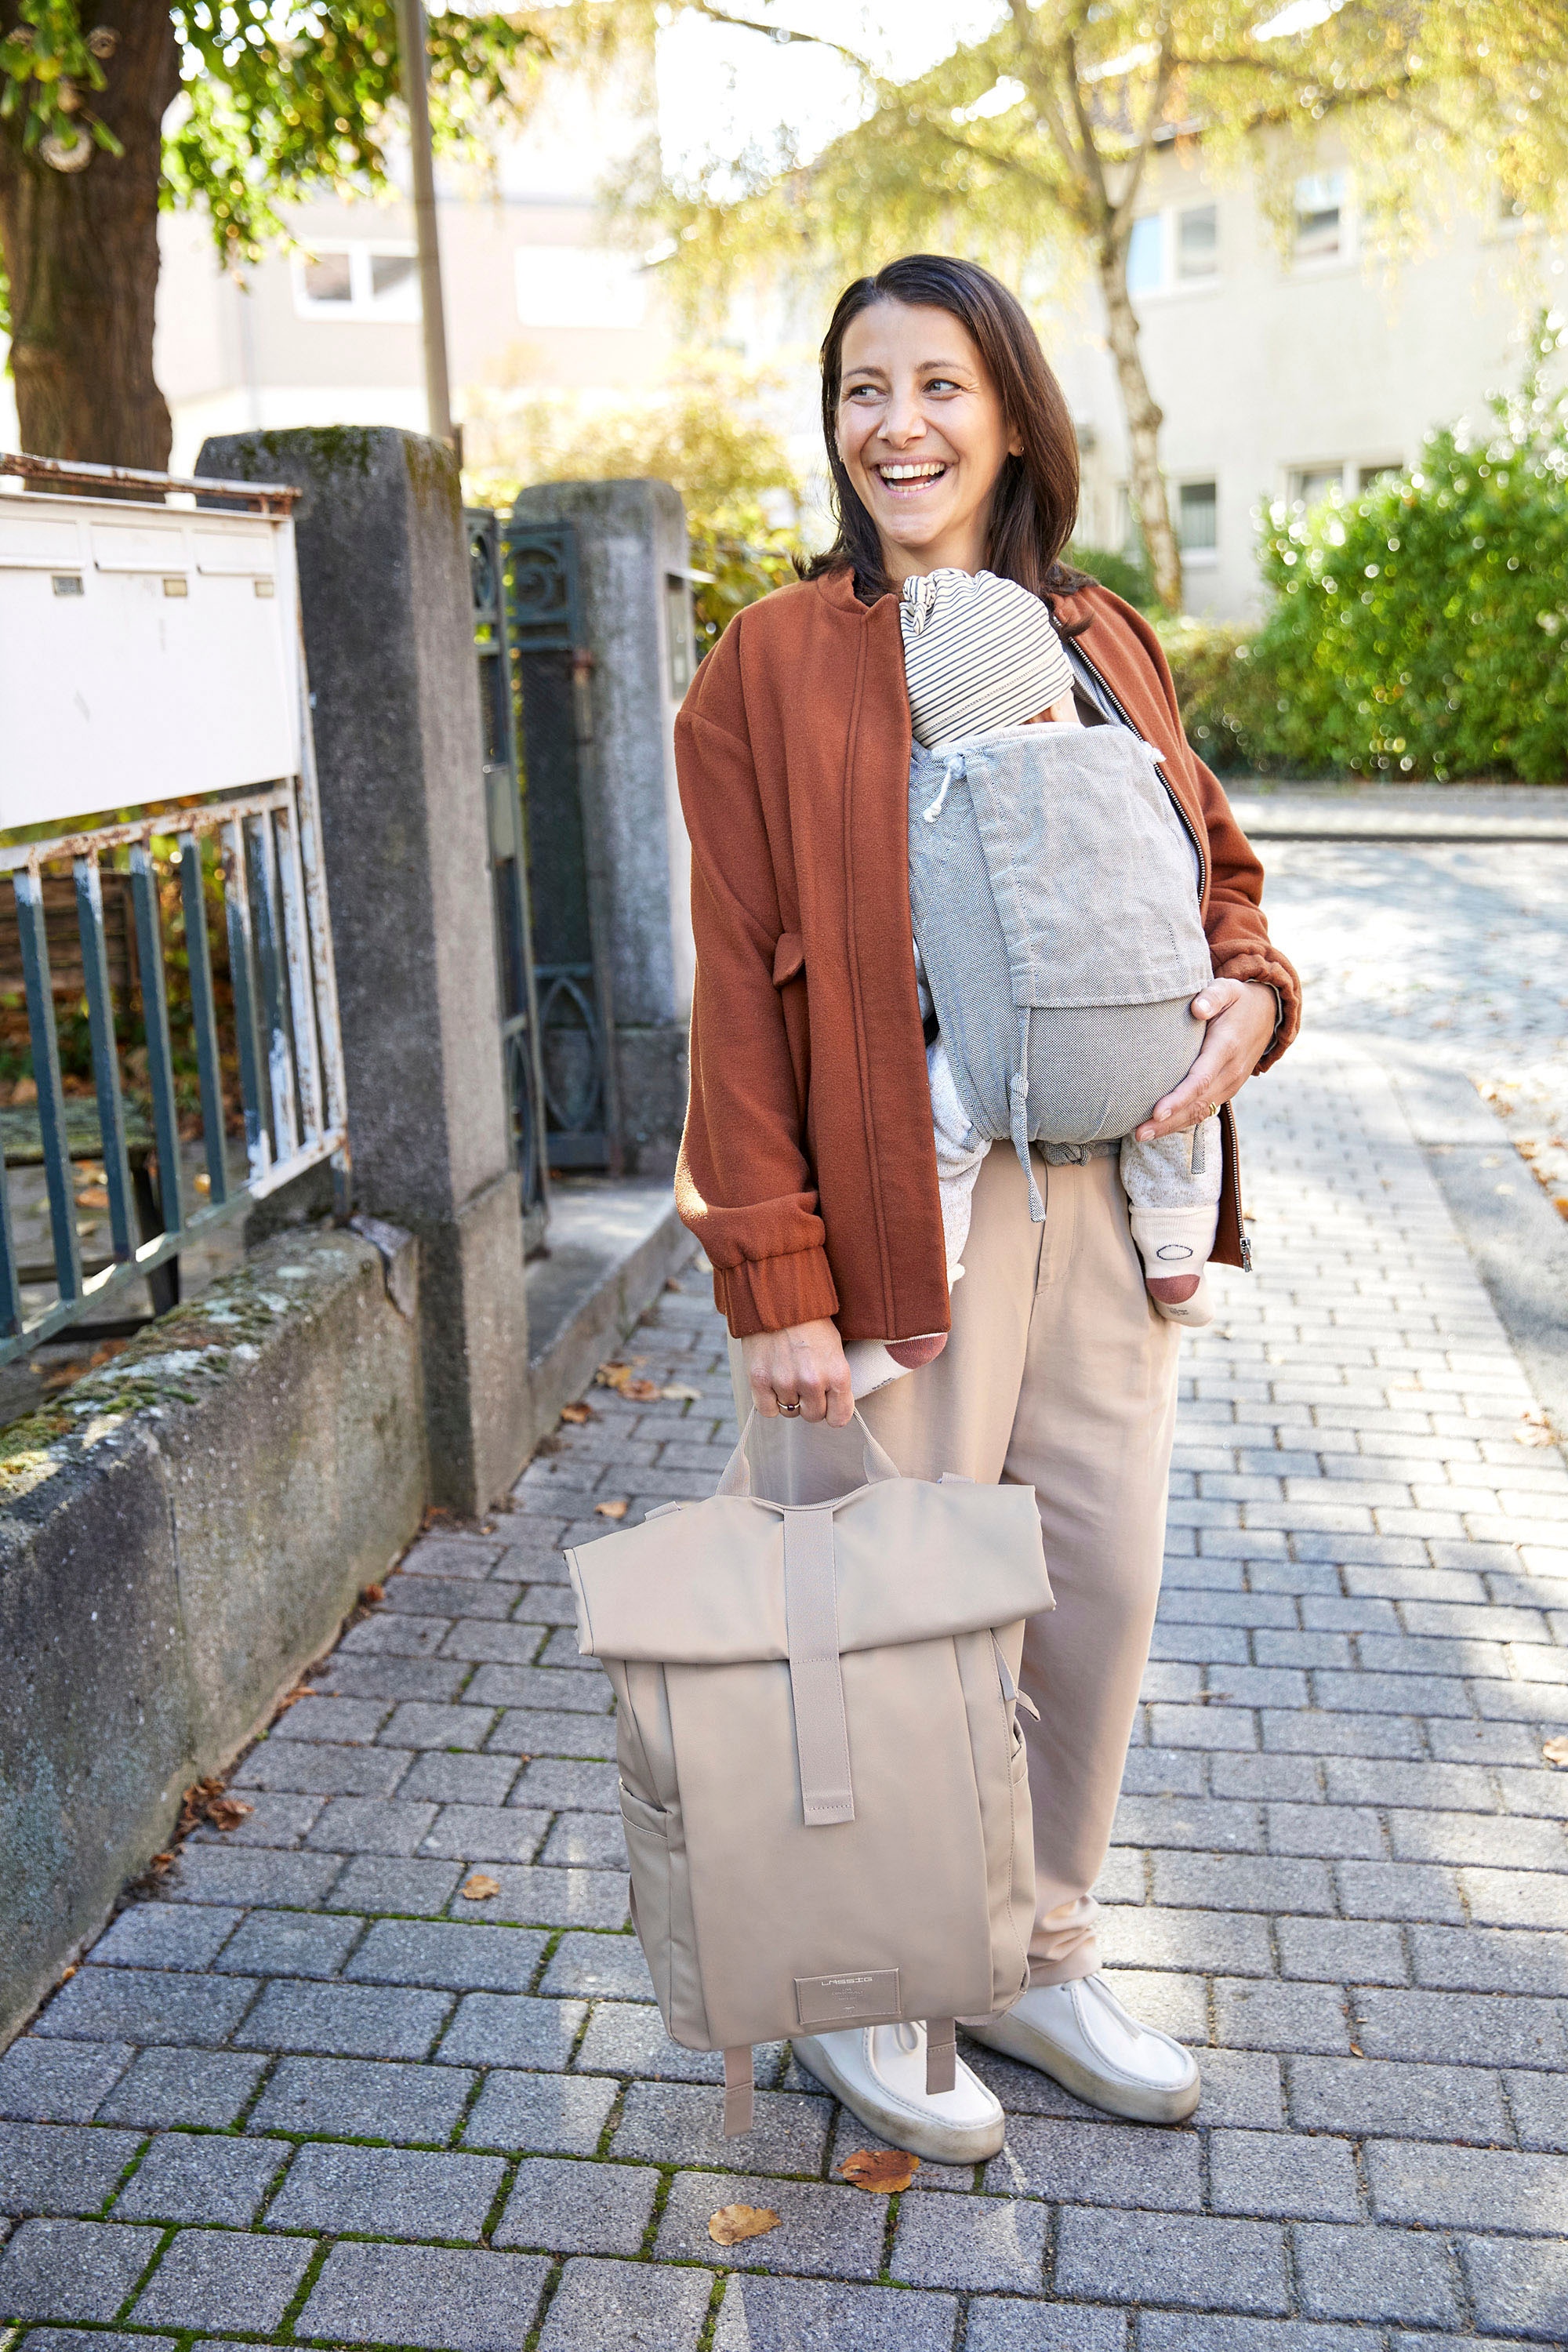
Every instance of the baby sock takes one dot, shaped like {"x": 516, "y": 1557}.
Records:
{"x": 1173, "y": 1196}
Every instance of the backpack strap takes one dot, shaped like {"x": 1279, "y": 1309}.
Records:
{"x": 942, "y": 2055}
{"x": 738, "y": 2091}
{"x": 815, "y": 1675}
{"x": 736, "y": 1477}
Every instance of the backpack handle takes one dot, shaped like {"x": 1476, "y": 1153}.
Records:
{"x": 737, "y": 1474}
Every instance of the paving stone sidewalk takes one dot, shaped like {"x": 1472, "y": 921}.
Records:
{"x": 310, "y": 2092}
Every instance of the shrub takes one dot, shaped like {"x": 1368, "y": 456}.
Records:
{"x": 1124, "y": 575}
{"x": 1421, "y": 629}
{"x": 1227, "y": 695}
{"x": 707, "y": 431}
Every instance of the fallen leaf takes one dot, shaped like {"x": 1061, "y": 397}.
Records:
{"x": 161, "y": 1865}
{"x": 228, "y": 1812}
{"x": 882, "y": 2173}
{"x": 576, "y": 1413}
{"x": 682, "y": 1395}
{"x": 477, "y": 1886}
{"x": 641, "y": 1391}
{"x": 96, "y": 1196}
{"x": 1356, "y": 2050}
{"x": 1555, "y": 1750}
{"x": 733, "y": 2222}
{"x": 372, "y": 1594}
{"x": 67, "y": 1974}
{"x": 612, "y": 1510}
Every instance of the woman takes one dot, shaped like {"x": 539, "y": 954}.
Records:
{"x": 809, "y": 1171}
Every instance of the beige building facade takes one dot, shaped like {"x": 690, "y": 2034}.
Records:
{"x": 1285, "y": 366}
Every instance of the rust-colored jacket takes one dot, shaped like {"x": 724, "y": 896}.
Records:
{"x": 808, "y": 1170}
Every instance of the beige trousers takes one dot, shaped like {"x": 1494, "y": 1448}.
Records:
{"x": 1059, "y": 1375}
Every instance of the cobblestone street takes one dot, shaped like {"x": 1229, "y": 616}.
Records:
{"x": 380, "y": 2065}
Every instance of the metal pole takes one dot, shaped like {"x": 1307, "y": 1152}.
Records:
{"x": 437, "y": 391}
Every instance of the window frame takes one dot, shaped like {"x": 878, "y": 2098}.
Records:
{"x": 364, "y": 307}
{"x": 1346, "y": 253}
{"x": 1198, "y": 555}
{"x": 1170, "y": 285}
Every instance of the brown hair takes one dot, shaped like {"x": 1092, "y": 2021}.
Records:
{"x": 1035, "y": 502}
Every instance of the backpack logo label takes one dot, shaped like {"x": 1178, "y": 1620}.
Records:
{"x": 868, "y": 1998}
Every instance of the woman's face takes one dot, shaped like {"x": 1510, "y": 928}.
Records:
{"x": 923, "y": 435}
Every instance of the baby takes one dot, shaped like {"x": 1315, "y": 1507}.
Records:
{"x": 982, "y": 661}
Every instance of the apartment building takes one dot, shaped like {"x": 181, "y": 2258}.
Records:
{"x": 1287, "y": 369}
{"x": 330, "y": 335}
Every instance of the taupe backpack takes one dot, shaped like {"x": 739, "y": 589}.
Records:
{"x": 823, "y": 1781}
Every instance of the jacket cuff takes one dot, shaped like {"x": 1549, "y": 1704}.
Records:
{"x": 1274, "y": 973}
{"x": 769, "y": 1294}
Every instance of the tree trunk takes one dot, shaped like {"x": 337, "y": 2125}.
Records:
{"x": 81, "y": 254}
{"x": 1145, "y": 418}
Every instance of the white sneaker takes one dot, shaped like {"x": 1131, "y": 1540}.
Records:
{"x": 1081, "y": 2036}
{"x": 880, "y": 2072}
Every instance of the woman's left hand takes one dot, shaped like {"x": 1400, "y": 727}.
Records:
{"x": 1241, "y": 1014}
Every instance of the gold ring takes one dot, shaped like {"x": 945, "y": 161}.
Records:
{"x": 1213, "y": 1111}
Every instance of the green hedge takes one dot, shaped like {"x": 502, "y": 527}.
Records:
{"x": 1420, "y": 630}
{"x": 1124, "y": 575}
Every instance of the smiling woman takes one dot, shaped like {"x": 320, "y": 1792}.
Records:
{"x": 810, "y": 1170}
{"x": 949, "y": 440}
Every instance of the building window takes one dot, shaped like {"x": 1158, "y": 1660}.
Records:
{"x": 1197, "y": 242}
{"x": 579, "y": 285}
{"x": 1310, "y": 485}
{"x": 358, "y": 281}
{"x": 1320, "y": 216}
{"x": 1167, "y": 251}
{"x": 1146, "y": 255}
{"x": 1198, "y": 518}
{"x": 1367, "y": 475}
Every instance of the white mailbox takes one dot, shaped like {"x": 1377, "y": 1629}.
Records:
{"x": 147, "y": 653}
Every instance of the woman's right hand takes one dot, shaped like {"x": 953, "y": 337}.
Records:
{"x": 802, "y": 1366}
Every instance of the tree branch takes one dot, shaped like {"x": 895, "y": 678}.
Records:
{"x": 784, "y": 35}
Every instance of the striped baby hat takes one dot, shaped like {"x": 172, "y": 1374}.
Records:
{"x": 979, "y": 653}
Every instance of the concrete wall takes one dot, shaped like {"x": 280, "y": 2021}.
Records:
{"x": 389, "y": 643}
{"x": 179, "y": 1537}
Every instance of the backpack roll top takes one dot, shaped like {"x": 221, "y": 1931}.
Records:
{"x": 822, "y": 1782}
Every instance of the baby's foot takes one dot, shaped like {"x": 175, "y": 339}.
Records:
{"x": 910, "y": 1354}
{"x": 1181, "y": 1298}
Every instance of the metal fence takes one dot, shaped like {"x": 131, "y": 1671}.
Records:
{"x": 553, "y": 671}
{"x": 271, "y": 1067}
{"x": 521, "y": 1061}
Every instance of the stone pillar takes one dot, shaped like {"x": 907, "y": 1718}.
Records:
{"x": 632, "y": 557}
{"x": 389, "y": 640}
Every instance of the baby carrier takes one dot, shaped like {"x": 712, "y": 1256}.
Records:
{"x": 1054, "y": 889}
